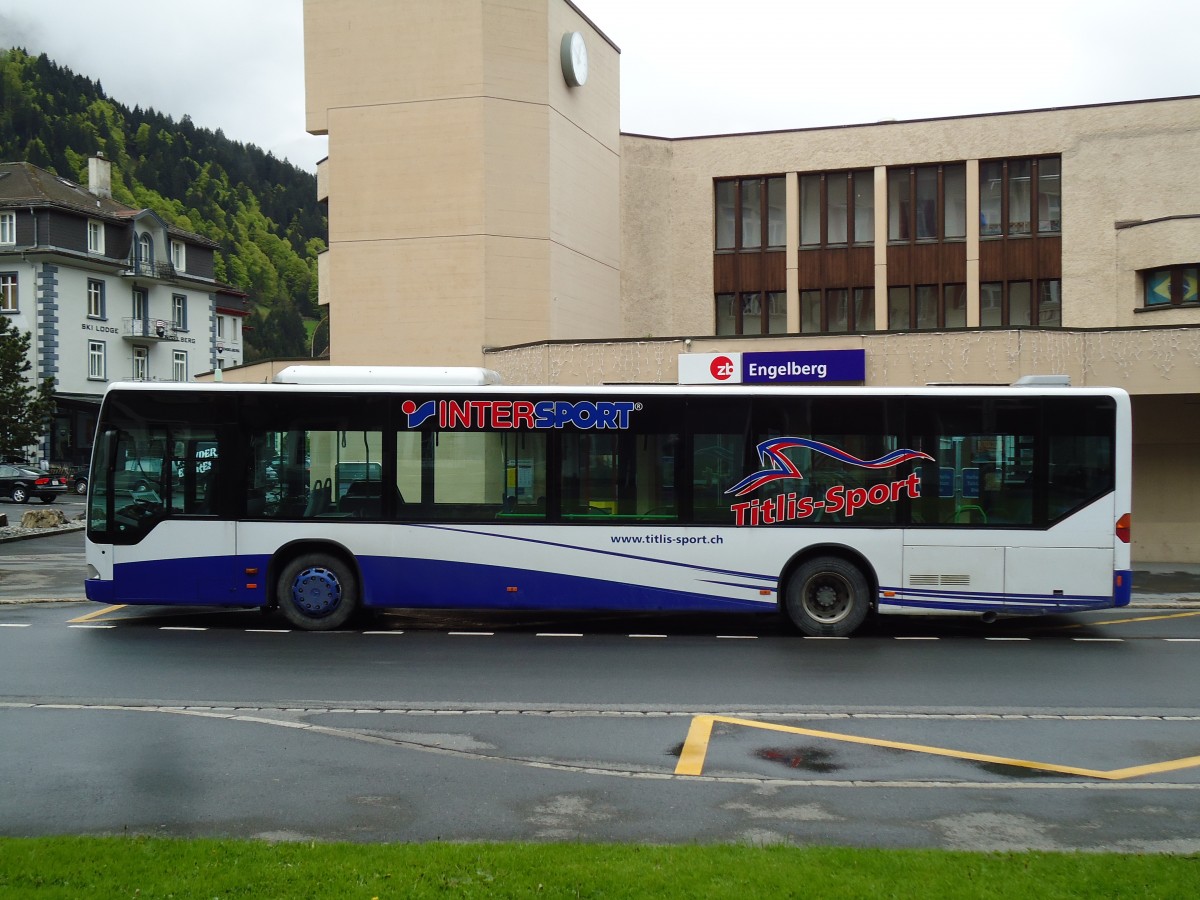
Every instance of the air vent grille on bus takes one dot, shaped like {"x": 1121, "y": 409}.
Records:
{"x": 930, "y": 580}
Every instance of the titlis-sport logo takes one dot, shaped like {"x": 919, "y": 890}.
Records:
{"x": 787, "y": 507}
{"x": 504, "y": 414}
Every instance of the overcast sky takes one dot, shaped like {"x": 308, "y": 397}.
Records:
{"x": 687, "y": 66}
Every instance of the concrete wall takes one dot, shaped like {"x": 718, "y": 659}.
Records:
{"x": 474, "y": 195}
{"x": 1120, "y": 162}
{"x": 1166, "y": 478}
{"x": 1144, "y": 361}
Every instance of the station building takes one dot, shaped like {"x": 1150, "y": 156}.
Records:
{"x": 485, "y": 209}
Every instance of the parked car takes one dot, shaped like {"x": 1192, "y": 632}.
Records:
{"x": 77, "y": 476}
{"x": 138, "y": 476}
{"x": 19, "y": 483}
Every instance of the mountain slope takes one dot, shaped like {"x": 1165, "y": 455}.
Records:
{"x": 261, "y": 210}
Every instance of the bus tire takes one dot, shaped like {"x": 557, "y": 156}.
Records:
{"x": 317, "y": 592}
{"x": 827, "y": 597}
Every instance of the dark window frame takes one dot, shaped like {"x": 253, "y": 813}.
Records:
{"x": 913, "y": 324}
{"x": 840, "y": 178}
{"x": 739, "y": 317}
{"x": 853, "y": 326}
{"x": 179, "y": 312}
{"x": 908, "y": 177}
{"x": 1004, "y": 228}
{"x": 97, "y": 350}
{"x": 740, "y": 184}
{"x": 1178, "y": 287}
{"x": 96, "y": 288}
{"x": 1036, "y": 305}
{"x": 8, "y": 233}
{"x": 10, "y": 292}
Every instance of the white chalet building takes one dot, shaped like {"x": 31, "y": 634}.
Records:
{"x": 109, "y": 293}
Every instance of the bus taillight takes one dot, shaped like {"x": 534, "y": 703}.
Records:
{"x": 1124, "y": 527}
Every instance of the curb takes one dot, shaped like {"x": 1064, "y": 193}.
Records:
{"x": 29, "y": 600}
{"x": 41, "y": 532}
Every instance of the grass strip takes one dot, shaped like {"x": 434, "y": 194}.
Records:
{"x": 146, "y": 868}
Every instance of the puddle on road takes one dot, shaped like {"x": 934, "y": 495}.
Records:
{"x": 808, "y": 759}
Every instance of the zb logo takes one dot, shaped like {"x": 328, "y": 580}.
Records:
{"x": 721, "y": 368}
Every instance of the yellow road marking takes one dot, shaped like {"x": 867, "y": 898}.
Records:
{"x": 1182, "y": 615}
{"x": 691, "y": 758}
{"x": 695, "y": 748}
{"x": 97, "y": 614}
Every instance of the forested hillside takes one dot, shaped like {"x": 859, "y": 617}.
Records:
{"x": 261, "y": 210}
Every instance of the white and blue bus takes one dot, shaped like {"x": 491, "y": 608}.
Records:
{"x": 339, "y": 489}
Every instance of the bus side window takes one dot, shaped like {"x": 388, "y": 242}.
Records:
{"x": 621, "y": 474}
{"x": 1079, "y": 450}
{"x": 261, "y": 481}
{"x": 192, "y": 472}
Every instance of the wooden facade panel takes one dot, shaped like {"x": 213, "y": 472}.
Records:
{"x": 749, "y": 271}
{"x": 992, "y": 260}
{"x": 755, "y": 271}
{"x": 774, "y": 271}
{"x": 1049, "y": 257}
{"x": 725, "y": 273}
{"x": 838, "y": 268}
{"x": 927, "y": 263}
{"x": 1022, "y": 259}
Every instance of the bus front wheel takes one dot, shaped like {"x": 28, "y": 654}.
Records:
{"x": 827, "y": 597}
{"x": 317, "y": 592}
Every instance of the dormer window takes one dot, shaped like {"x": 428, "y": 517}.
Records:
{"x": 179, "y": 256}
{"x": 145, "y": 253}
{"x": 95, "y": 236}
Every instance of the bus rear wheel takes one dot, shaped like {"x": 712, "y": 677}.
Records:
{"x": 827, "y": 597}
{"x": 317, "y": 592}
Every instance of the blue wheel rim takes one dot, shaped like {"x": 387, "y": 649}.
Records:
{"x": 316, "y": 591}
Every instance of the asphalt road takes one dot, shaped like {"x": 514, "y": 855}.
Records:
{"x": 1057, "y": 733}
{"x": 1053, "y": 733}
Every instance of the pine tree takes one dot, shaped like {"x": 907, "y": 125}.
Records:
{"x": 26, "y": 410}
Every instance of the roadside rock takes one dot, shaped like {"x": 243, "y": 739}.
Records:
{"x": 43, "y": 518}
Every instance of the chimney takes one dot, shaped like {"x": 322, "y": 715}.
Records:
{"x": 100, "y": 176}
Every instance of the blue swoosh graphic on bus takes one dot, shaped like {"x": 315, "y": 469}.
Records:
{"x": 592, "y": 550}
{"x": 777, "y": 466}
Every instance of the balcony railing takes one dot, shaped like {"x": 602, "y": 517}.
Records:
{"x": 148, "y": 330}
{"x": 151, "y": 269}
